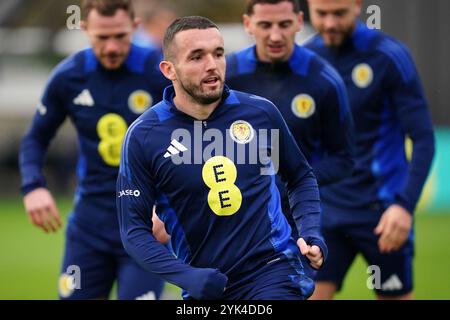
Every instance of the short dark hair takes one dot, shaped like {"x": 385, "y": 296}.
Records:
{"x": 183, "y": 24}
{"x": 107, "y": 8}
{"x": 252, "y": 3}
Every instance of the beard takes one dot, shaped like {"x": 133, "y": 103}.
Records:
{"x": 112, "y": 61}
{"x": 341, "y": 36}
{"x": 199, "y": 95}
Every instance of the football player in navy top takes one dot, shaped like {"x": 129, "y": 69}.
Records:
{"x": 102, "y": 90}
{"x": 207, "y": 156}
{"x": 371, "y": 212}
{"x": 309, "y": 93}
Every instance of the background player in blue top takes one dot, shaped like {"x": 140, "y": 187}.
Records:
{"x": 155, "y": 17}
{"x": 371, "y": 212}
{"x": 309, "y": 93}
{"x": 203, "y": 155}
{"x": 102, "y": 90}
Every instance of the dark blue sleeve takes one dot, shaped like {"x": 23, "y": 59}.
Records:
{"x": 336, "y": 131}
{"x": 411, "y": 107}
{"x": 50, "y": 114}
{"x": 136, "y": 197}
{"x": 301, "y": 184}
{"x": 232, "y": 68}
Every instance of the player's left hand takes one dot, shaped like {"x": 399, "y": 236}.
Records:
{"x": 313, "y": 253}
{"x": 394, "y": 228}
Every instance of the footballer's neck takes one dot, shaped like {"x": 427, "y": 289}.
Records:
{"x": 188, "y": 105}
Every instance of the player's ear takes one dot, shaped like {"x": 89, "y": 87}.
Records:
{"x": 247, "y": 24}
{"x": 300, "y": 19}
{"x": 168, "y": 70}
{"x": 358, "y": 7}
{"x": 83, "y": 25}
{"x": 136, "y": 22}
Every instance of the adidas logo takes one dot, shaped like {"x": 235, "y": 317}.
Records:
{"x": 84, "y": 99}
{"x": 391, "y": 284}
{"x": 174, "y": 149}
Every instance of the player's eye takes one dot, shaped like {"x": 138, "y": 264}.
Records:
{"x": 121, "y": 36}
{"x": 340, "y": 13}
{"x": 321, "y": 14}
{"x": 102, "y": 38}
{"x": 265, "y": 25}
{"x": 285, "y": 24}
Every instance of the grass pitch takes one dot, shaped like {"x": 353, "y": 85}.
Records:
{"x": 30, "y": 260}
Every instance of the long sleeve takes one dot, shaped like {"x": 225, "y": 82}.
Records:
{"x": 301, "y": 185}
{"x": 136, "y": 197}
{"x": 49, "y": 116}
{"x": 411, "y": 109}
{"x": 337, "y": 137}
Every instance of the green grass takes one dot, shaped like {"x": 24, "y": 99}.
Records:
{"x": 30, "y": 259}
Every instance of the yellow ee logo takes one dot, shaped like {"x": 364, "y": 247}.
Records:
{"x": 139, "y": 101}
{"x": 220, "y": 174}
{"x": 111, "y": 129}
{"x": 303, "y": 106}
{"x": 362, "y": 75}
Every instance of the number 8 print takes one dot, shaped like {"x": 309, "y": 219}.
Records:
{"x": 111, "y": 129}
{"x": 220, "y": 174}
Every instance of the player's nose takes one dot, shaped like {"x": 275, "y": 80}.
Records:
{"x": 112, "y": 46}
{"x": 210, "y": 63}
{"x": 275, "y": 34}
{"x": 329, "y": 22}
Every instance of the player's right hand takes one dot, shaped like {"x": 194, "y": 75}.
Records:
{"x": 208, "y": 284}
{"x": 313, "y": 253}
{"x": 42, "y": 211}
